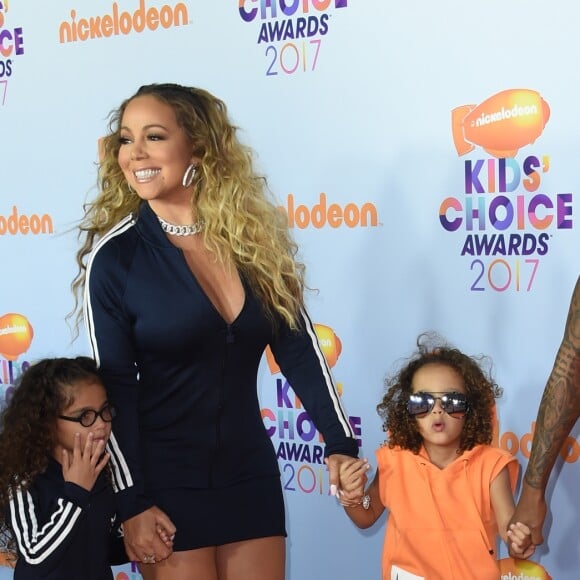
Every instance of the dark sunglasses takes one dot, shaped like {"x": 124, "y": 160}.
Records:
{"x": 452, "y": 403}
{"x": 88, "y": 418}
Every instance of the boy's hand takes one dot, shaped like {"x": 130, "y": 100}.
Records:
{"x": 353, "y": 480}
{"x": 520, "y": 537}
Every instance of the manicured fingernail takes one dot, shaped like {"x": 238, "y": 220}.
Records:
{"x": 333, "y": 489}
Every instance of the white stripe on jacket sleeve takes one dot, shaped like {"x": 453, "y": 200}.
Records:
{"x": 338, "y": 409}
{"x": 35, "y": 545}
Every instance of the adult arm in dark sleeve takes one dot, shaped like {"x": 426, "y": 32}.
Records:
{"x": 302, "y": 362}
{"x": 112, "y": 346}
{"x": 111, "y": 340}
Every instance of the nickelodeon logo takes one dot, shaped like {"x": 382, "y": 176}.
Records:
{"x": 116, "y": 22}
{"x": 334, "y": 215}
{"x": 522, "y": 570}
{"x": 329, "y": 344}
{"x": 15, "y": 335}
{"x": 17, "y": 223}
{"x": 509, "y": 441}
{"x": 512, "y": 443}
{"x": 502, "y": 124}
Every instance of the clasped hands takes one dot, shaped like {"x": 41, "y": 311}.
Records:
{"x": 149, "y": 536}
{"x": 348, "y": 479}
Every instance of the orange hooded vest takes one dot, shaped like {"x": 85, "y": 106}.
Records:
{"x": 441, "y": 524}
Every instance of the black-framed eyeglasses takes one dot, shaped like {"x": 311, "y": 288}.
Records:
{"x": 454, "y": 404}
{"x": 88, "y": 418}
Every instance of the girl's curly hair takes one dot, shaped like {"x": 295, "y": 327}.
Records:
{"x": 401, "y": 428}
{"x": 28, "y": 422}
{"x": 243, "y": 225}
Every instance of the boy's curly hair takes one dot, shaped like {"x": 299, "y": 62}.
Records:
{"x": 28, "y": 421}
{"x": 481, "y": 390}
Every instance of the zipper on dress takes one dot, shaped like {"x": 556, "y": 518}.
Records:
{"x": 230, "y": 339}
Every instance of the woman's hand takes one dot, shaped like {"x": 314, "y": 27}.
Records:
{"x": 83, "y": 466}
{"x": 149, "y": 536}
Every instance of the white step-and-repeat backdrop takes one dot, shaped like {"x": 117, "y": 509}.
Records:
{"x": 427, "y": 154}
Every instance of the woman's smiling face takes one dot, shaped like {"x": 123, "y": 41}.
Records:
{"x": 154, "y": 151}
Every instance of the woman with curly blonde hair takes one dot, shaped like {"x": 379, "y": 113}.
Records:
{"x": 449, "y": 492}
{"x": 188, "y": 272}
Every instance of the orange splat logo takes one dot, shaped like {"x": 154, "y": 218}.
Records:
{"x": 502, "y": 124}
{"x": 329, "y": 343}
{"x": 511, "y": 569}
{"x": 15, "y": 335}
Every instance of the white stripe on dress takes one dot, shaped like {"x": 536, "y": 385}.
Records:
{"x": 125, "y": 224}
{"x": 122, "y": 478}
{"x": 342, "y": 417}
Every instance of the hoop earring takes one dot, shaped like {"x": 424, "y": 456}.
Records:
{"x": 188, "y": 175}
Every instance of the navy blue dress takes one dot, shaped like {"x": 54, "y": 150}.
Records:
{"x": 189, "y": 433}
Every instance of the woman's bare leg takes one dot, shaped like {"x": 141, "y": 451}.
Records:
{"x": 259, "y": 559}
{"x": 187, "y": 565}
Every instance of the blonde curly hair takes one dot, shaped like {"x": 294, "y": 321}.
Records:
{"x": 243, "y": 226}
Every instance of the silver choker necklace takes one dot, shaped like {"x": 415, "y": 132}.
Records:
{"x": 188, "y": 230}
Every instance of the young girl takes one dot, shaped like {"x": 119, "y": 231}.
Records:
{"x": 56, "y": 501}
{"x": 448, "y": 491}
